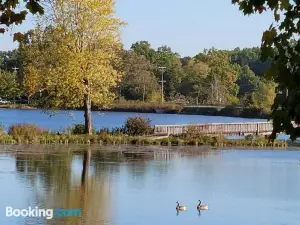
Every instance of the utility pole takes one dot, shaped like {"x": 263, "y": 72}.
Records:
{"x": 15, "y": 69}
{"x": 15, "y": 73}
{"x": 162, "y": 68}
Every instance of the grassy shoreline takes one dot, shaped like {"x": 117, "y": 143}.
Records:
{"x": 68, "y": 139}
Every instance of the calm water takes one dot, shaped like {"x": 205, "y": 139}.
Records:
{"x": 240, "y": 187}
{"x": 107, "y": 119}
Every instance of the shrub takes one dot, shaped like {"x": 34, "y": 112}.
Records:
{"x": 79, "y": 129}
{"x": 25, "y": 132}
{"x": 250, "y": 137}
{"x": 135, "y": 126}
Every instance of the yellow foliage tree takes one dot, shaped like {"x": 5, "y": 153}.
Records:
{"x": 75, "y": 53}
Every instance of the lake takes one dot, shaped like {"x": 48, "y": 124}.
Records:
{"x": 63, "y": 119}
{"x": 241, "y": 187}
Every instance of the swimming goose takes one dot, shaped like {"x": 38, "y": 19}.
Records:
{"x": 181, "y": 207}
{"x": 202, "y": 207}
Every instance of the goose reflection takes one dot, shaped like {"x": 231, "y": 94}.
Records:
{"x": 199, "y": 212}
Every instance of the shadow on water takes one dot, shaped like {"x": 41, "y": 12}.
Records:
{"x": 81, "y": 178}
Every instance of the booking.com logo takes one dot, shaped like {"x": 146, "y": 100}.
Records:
{"x": 47, "y": 213}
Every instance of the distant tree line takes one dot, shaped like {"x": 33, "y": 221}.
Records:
{"x": 214, "y": 77}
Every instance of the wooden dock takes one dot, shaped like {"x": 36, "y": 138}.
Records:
{"x": 256, "y": 128}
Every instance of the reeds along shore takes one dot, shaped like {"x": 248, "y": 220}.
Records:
{"x": 123, "y": 140}
{"x": 30, "y": 134}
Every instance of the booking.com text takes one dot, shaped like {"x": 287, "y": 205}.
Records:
{"x": 46, "y": 213}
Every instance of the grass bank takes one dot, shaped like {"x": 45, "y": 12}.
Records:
{"x": 135, "y": 131}
{"x": 142, "y": 141}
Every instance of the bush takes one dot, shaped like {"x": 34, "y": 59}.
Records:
{"x": 135, "y": 126}
{"x": 79, "y": 129}
{"x": 26, "y": 132}
{"x": 250, "y": 137}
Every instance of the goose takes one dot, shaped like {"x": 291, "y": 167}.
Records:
{"x": 181, "y": 207}
{"x": 202, "y": 207}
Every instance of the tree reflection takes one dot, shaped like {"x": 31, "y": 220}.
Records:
{"x": 56, "y": 186}
{"x": 81, "y": 177}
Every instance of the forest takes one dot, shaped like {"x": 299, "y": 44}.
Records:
{"x": 212, "y": 77}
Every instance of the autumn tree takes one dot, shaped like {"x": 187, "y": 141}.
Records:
{"x": 76, "y": 56}
{"x": 139, "y": 81}
{"x": 281, "y": 43}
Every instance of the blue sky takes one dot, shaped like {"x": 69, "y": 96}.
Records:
{"x": 187, "y": 26}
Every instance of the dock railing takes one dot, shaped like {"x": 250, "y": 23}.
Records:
{"x": 217, "y": 128}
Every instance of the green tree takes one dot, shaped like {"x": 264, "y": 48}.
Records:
{"x": 222, "y": 76}
{"x": 165, "y": 57}
{"x": 76, "y": 58}
{"x": 139, "y": 81}
{"x": 195, "y": 83}
{"x": 11, "y": 59}
{"x": 162, "y": 57}
{"x": 248, "y": 83}
{"x": 246, "y": 55}
{"x": 264, "y": 96}
{"x": 281, "y": 43}
{"x": 144, "y": 48}
{"x": 9, "y": 88}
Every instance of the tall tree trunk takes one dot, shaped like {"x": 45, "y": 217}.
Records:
{"x": 87, "y": 108}
{"x": 87, "y": 114}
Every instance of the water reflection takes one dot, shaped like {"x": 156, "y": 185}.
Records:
{"x": 136, "y": 186}
{"x": 56, "y": 183}
{"x": 57, "y": 187}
